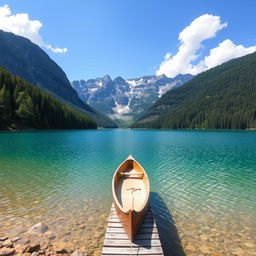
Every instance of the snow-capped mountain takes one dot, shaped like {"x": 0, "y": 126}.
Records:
{"x": 126, "y": 99}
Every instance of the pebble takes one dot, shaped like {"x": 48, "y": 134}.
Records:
{"x": 7, "y": 243}
{"x": 16, "y": 238}
{"x": 249, "y": 245}
{"x": 190, "y": 248}
{"x": 78, "y": 253}
{"x": 204, "y": 249}
{"x": 59, "y": 247}
{"x": 203, "y": 237}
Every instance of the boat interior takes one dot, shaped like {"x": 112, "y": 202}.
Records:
{"x": 130, "y": 188}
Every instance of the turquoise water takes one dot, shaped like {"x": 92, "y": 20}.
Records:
{"x": 204, "y": 184}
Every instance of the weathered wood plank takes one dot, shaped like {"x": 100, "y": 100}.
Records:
{"x": 129, "y": 250}
{"x": 147, "y": 240}
{"x": 127, "y": 243}
{"x": 119, "y": 225}
{"x": 141, "y": 231}
{"x": 125, "y": 237}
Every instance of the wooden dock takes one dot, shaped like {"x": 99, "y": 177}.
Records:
{"x": 147, "y": 240}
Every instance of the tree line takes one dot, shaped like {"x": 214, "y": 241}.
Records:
{"x": 22, "y": 103}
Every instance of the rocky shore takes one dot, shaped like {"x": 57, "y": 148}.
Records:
{"x": 37, "y": 244}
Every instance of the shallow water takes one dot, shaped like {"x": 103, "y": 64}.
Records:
{"x": 204, "y": 185}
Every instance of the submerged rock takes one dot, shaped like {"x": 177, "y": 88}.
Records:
{"x": 38, "y": 229}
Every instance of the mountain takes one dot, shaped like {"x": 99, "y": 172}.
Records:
{"x": 23, "y": 106}
{"x": 125, "y": 99}
{"x": 27, "y": 60}
{"x": 223, "y": 97}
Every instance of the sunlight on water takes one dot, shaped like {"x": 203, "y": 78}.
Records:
{"x": 203, "y": 184}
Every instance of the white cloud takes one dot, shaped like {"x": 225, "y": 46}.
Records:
{"x": 191, "y": 38}
{"x": 20, "y": 24}
{"x": 226, "y": 50}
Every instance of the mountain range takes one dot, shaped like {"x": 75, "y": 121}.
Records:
{"x": 223, "y": 97}
{"x": 25, "y": 59}
{"x": 125, "y": 99}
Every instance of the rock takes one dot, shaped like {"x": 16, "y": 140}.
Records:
{"x": 249, "y": 245}
{"x": 3, "y": 238}
{"x": 59, "y": 247}
{"x": 8, "y": 243}
{"x": 6, "y": 251}
{"x": 217, "y": 254}
{"x": 32, "y": 248}
{"x": 16, "y": 238}
{"x": 26, "y": 254}
{"x": 190, "y": 248}
{"x": 70, "y": 247}
{"x": 18, "y": 248}
{"x": 38, "y": 229}
{"x": 44, "y": 247}
{"x": 34, "y": 254}
{"x": 204, "y": 249}
{"x": 78, "y": 253}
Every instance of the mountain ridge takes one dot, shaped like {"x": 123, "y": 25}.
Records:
{"x": 125, "y": 99}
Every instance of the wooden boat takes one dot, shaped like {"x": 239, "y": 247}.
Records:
{"x": 130, "y": 188}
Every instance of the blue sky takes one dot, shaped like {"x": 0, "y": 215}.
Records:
{"x": 131, "y": 38}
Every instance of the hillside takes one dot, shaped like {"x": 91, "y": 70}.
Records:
{"x": 24, "y": 106}
{"x": 220, "y": 98}
{"x": 124, "y": 100}
{"x": 25, "y": 59}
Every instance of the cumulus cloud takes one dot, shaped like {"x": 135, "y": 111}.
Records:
{"x": 20, "y": 24}
{"x": 191, "y": 39}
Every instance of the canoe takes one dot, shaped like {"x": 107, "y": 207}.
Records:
{"x": 130, "y": 189}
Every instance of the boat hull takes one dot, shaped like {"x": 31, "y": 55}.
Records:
{"x": 131, "y": 221}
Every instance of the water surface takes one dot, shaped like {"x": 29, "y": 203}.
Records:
{"x": 206, "y": 181}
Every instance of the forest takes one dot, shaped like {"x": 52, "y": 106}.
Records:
{"x": 24, "y": 105}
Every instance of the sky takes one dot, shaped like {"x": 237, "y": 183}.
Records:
{"x": 133, "y": 38}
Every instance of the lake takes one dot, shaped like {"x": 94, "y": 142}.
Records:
{"x": 203, "y": 186}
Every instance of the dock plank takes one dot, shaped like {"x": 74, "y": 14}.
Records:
{"x": 117, "y": 243}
